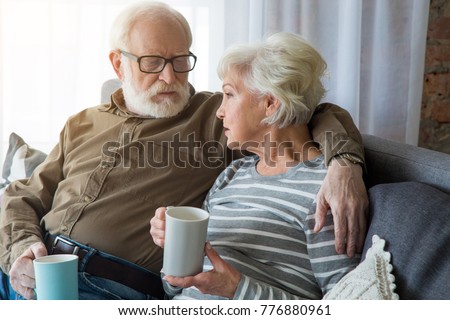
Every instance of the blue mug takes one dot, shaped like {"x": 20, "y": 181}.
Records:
{"x": 56, "y": 277}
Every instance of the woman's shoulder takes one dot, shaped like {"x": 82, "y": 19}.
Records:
{"x": 247, "y": 161}
{"x": 237, "y": 168}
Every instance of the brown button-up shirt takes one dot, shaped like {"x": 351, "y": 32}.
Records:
{"x": 111, "y": 169}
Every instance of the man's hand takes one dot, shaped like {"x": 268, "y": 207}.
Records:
{"x": 343, "y": 191}
{"x": 22, "y": 271}
{"x": 222, "y": 280}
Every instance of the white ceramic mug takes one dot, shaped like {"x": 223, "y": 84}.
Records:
{"x": 186, "y": 229}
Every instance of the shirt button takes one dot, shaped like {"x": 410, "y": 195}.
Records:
{"x": 87, "y": 198}
{"x": 64, "y": 228}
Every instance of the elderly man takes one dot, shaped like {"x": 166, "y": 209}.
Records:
{"x": 157, "y": 142}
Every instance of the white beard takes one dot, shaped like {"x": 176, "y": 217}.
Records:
{"x": 141, "y": 102}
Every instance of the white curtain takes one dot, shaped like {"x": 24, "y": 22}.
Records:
{"x": 375, "y": 50}
{"x": 54, "y": 56}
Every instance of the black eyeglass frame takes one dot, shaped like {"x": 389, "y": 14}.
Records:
{"x": 166, "y": 61}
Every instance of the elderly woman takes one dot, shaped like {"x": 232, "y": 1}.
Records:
{"x": 262, "y": 206}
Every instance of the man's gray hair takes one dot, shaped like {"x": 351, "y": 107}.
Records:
{"x": 284, "y": 66}
{"x": 122, "y": 25}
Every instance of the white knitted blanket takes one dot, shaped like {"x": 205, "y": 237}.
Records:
{"x": 371, "y": 280}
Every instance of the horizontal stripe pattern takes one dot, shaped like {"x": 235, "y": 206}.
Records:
{"x": 262, "y": 226}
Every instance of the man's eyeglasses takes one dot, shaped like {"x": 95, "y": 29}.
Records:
{"x": 156, "y": 64}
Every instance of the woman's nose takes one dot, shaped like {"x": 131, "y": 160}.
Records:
{"x": 219, "y": 112}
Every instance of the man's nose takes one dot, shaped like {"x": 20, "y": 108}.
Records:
{"x": 167, "y": 74}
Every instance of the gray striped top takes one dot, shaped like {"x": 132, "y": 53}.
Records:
{"x": 263, "y": 226}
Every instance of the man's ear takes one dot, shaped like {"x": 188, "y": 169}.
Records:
{"x": 114, "y": 57}
{"x": 272, "y": 105}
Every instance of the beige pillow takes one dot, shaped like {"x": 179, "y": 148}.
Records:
{"x": 371, "y": 280}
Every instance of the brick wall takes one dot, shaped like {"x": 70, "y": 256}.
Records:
{"x": 435, "y": 114}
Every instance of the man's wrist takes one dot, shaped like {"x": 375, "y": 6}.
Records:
{"x": 345, "y": 159}
{"x": 350, "y": 157}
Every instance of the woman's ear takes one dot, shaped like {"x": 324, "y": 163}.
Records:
{"x": 272, "y": 105}
{"x": 114, "y": 57}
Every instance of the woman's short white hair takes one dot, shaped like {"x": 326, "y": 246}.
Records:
{"x": 285, "y": 66}
{"x": 122, "y": 25}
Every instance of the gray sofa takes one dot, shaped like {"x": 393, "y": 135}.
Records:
{"x": 409, "y": 194}
{"x": 389, "y": 162}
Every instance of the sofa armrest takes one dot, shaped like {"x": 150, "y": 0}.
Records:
{"x": 389, "y": 161}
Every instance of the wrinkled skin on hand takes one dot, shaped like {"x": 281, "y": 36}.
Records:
{"x": 221, "y": 281}
{"x": 344, "y": 192}
{"x": 21, "y": 274}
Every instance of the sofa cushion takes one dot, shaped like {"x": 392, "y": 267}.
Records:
{"x": 372, "y": 279}
{"x": 414, "y": 220}
{"x": 20, "y": 161}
